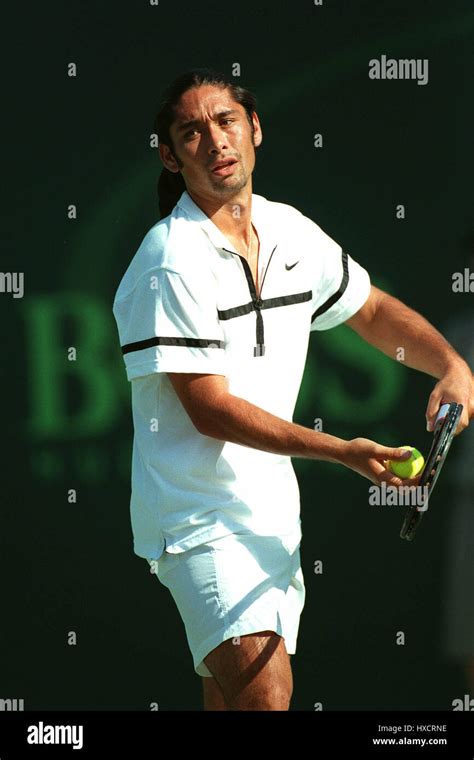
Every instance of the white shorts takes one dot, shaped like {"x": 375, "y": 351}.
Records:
{"x": 234, "y": 585}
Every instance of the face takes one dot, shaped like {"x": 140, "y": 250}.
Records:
{"x": 210, "y": 127}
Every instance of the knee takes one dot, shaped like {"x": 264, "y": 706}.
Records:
{"x": 274, "y": 697}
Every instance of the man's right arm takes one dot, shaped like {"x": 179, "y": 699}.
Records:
{"x": 217, "y": 413}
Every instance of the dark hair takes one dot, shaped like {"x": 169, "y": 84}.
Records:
{"x": 171, "y": 184}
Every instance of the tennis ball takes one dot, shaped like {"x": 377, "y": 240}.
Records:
{"x": 409, "y": 468}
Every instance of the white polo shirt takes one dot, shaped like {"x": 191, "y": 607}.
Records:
{"x": 187, "y": 303}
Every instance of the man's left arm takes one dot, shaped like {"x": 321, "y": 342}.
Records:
{"x": 388, "y": 324}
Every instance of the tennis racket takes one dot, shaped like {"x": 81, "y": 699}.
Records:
{"x": 444, "y": 430}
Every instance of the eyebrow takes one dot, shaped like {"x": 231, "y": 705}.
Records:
{"x": 186, "y": 124}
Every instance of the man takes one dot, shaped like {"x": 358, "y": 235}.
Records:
{"x": 214, "y": 315}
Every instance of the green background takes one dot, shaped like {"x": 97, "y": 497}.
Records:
{"x": 69, "y": 567}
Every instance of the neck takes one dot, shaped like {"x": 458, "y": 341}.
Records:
{"x": 233, "y": 217}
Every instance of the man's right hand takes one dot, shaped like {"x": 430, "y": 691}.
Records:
{"x": 370, "y": 459}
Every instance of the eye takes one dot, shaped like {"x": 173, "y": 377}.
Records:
{"x": 190, "y": 131}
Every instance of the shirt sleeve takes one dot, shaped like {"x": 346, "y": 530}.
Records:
{"x": 341, "y": 286}
{"x": 169, "y": 323}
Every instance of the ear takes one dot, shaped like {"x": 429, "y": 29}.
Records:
{"x": 168, "y": 158}
{"x": 257, "y": 134}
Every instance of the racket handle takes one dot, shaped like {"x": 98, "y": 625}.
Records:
{"x": 443, "y": 410}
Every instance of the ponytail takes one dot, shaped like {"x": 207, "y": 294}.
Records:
{"x": 170, "y": 187}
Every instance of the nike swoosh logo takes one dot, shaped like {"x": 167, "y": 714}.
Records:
{"x": 290, "y": 266}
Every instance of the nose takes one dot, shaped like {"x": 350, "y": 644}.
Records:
{"x": 216, "y": 139}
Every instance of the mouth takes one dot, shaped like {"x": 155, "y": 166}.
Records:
{"x": 223, "y": 168}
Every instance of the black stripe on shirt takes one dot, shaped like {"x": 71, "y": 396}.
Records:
{"x": 264, "y": 303}
{"x": 270, "y": 303}
{"x": 236, "y": 311}
{"x": 332, "y": 299}
{"x": 189, "y": 342}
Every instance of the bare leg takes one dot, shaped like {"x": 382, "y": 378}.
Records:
{"x": 212, "y": 695}
{"x": 253, "y": 674}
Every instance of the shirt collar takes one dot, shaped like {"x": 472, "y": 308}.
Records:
{"x": 266, "y": 231}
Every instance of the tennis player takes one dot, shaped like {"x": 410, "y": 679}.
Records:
{"x": 214, "y": 315}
